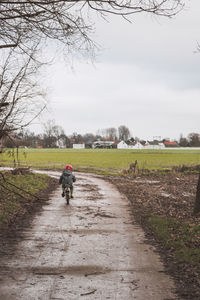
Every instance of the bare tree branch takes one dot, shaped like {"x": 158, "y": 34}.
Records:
{"x": 16, "y": 187}
{"x": 21, "y": 99}
{"x": 25, "y": 22}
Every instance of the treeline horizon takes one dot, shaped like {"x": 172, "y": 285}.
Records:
{"x": 53, "y": 135}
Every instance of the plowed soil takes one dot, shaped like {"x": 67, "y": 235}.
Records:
{"x": 171, "y": 195}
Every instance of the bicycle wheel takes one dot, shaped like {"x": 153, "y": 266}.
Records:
{"x": 67, "y": 196}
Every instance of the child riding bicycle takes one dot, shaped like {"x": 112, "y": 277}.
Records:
{"x": 67, "y": 179}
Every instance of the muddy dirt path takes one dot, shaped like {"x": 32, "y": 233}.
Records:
{"x": 90, "y": 249}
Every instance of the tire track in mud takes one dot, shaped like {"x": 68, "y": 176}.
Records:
{"x": 90, "y": 249}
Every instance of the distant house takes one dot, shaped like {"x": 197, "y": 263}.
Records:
{"x": 122, "y": 145}
{"x": 170, "y": 144}
{"x": 61, "y": 143}
{"x": 161, "y": 145}
{"x": 135, "y": 145}
{"x": 79, "y": 146}
{"x": 140, "y": 145}
{"x": 154, "y": 145}
{"x": 103, "y": 144}
{"x": 132, "y": 145}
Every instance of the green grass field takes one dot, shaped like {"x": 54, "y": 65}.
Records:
{"x": 103, "y": 160}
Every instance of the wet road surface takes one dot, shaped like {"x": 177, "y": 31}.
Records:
{"x": 90, "y": 249}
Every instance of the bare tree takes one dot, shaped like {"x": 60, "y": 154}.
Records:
{"x": 111, "y": 133}
{"x": 21, "y": 98}
{"x": 194, "y": 139}
{"x": 52, "y": 133}
{"x": 25, "y": 21}
{"x": 123, "y": 132}
{"x": 101, "y": 134}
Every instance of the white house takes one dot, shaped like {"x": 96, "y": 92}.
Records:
{"x": 161, "y": 145}
{"x": 154, "y": 145}
{"x": 78, "y": 146}
{"x": 137, "y": 145}
{"x": 122, "y": 145}
{"x": 61, "y": 143}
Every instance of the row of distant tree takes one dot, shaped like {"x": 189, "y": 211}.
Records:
{"x": 54, "y": 135}
{"x": 192, "y": 140}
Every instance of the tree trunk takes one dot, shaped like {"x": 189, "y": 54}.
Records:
{"x": 197, "y": 201}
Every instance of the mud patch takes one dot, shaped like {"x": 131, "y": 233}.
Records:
{"x": 94, "y": 197}
{"x": 103, "y": 215}
{"x": 88, "y": 231}
{"x": 89, "y": 188}
{"x": 92, "y": 191}
{"x": 78, "y": 270}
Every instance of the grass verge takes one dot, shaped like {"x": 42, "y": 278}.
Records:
{"x": 180, "y": 243}
{"x": 181, "y": 238}
{"x": 19, "y": 194}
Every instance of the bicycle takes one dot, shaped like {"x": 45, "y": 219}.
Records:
{"x": 67, "y": 194}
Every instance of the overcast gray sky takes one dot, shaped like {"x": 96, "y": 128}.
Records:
{"x": 146, "y": 76}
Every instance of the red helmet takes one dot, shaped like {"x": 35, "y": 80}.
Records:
{"x": 68, "y": 167}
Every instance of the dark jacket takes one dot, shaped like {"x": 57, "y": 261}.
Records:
{"x": 67, "y": 178}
